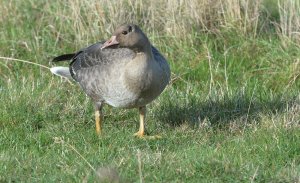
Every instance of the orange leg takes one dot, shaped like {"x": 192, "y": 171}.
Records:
{"x": 98, "y": 118}
{"x": 141, "y": 131}
{"x": 98, "y": 122}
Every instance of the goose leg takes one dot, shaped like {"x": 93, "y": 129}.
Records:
{"x": 141, "y": 131}
{"x": 98, "y": 118}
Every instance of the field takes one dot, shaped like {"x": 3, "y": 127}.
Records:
{"x": 231, "y": 112}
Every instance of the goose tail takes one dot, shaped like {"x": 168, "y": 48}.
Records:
{"x": 61, "y": 71}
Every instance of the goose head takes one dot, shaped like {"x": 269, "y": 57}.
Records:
{"x": 129, "y": 36}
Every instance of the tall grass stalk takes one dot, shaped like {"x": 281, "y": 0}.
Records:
{"x": 289, "y": 27}
{"x": 94, "y": 20}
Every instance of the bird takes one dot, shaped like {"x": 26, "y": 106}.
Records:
{"x": 126, "y": 71}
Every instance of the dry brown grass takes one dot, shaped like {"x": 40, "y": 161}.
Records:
{"x": 289, "y": 25}
{"x": 175, "y": 18}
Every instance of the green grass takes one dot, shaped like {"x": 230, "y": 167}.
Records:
{"x": 230, "y": 114}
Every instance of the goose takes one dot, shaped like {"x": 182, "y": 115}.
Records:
{"x": 125, "y": 71}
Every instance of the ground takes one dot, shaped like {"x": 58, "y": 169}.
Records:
{"x": 230, "y": 113}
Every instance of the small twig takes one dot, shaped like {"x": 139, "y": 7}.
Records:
{"x": 177, "y": 77}
{"x": 61, "y": 141}
{"x": 28, "y": 62}
{"x": 73, "y": 148}
{"x": 140, "y": 165}
{"x": 254, "y": 175}
{"x": 25, "y": 61}
{"x": 249, "y": 107}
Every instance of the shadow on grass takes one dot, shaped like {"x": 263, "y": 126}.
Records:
{"x": 220, "y": 111}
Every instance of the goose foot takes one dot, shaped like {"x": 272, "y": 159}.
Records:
{"x": 141, "y": 135}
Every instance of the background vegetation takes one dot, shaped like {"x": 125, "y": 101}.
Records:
{"x": 230, "y": 114}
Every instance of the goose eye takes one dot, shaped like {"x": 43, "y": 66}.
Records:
{"x": 124, "y": 32}
{"x": 129, "y": 29}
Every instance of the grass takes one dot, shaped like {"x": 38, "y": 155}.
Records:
{"x": 230, "y": 114}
